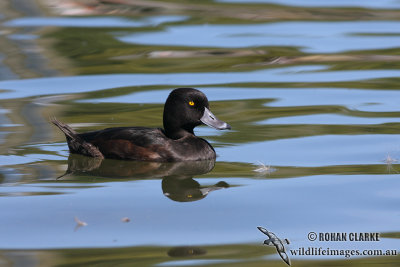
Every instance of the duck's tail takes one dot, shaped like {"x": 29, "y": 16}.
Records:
{"x": 65, "y": 128}
{"x": 75, "y": 143}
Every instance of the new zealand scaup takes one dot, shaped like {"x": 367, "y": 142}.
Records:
{"x": 184, "y": 109}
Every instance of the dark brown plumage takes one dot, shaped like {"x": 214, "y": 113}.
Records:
{"x": 184, "y": 109}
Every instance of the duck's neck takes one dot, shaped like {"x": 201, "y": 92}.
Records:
{"x": 175, "y": 126}
{"x": 177, "y": 132}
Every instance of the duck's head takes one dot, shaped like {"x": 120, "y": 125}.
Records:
{"x": 185, "y": 109}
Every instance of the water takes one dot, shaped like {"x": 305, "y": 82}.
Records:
{"x": 310, "y": 90}
{"x": 311, "y": 37}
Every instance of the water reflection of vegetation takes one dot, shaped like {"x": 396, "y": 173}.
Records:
{"x": 41, "y": 171}
{"x": 253, "y": 255}
{"x": 97, "y": 51}
{"x": 224, "y": 12}
{"x": 391, "y": 235}
{"x": 92, "y": 50}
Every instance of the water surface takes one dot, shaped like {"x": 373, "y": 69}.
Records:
{"x": 311, "y": 92}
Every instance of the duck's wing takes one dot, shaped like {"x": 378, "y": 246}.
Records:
{"x": 138, "y": 135}
{"x": 135, "y": 143}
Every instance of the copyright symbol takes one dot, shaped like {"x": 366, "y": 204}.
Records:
{"x": 312, "y": 236}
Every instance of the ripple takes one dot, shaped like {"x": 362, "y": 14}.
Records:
{"x": 197, "y": 262}
{"x": 356, "y": 99}
{"x": 157, "y": 220}
{"x": 329, "y": 119}
{"x": 326, "y": 150}
{"x": 311, "y": 37}
{"x": 87, "y": 83}
{"x": 26, "y": 159}
{"x": 382, "y": 4}
{"x": 91, "y": 22}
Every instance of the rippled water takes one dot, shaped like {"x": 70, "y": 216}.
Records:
{"x": 311, "y": 89}
{"x": 311, "y": 37}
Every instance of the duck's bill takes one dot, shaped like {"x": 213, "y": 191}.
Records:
{"x": 209, "y": 119}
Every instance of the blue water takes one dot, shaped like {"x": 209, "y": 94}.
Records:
{"x": 96, "y": 22}
{"x": 383, "y": 4}
{"x": 75, "y": 84}
{"x": 310, "y": 37}
{"x": 290, "y": 206}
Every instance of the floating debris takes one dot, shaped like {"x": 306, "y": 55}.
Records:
{"x": 389, "y": 163}
{"x": 79, "y": 223}
{"x": 125, "y": 220}
{"x": 264, "y": 169}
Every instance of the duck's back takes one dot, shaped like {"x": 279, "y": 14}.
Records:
{"x": 148, "y": 144}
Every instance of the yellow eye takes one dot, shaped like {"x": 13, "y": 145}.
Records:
{"x": 191, "y": 103}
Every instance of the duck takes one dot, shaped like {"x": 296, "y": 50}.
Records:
{"x": 184, "y": 109}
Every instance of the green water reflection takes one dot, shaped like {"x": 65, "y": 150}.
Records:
{"x": 228, "y": 255}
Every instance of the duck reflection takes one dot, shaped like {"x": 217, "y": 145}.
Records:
{"x": 188, "y": 189}
{"x": 177, "y": 177}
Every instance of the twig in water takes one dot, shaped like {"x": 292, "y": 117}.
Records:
{"x": 389, "y": 163}
{"x": 264, "y": 169}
